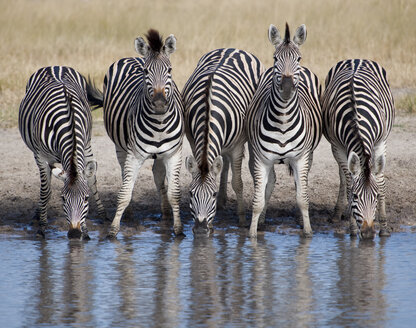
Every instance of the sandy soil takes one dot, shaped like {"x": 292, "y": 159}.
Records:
{"x": 19, "y": 189}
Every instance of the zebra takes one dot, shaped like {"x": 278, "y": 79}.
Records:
{"x": 143, "y": 116}
{"x": 284, "y": 125}
{"x": 358, "y": 114}
{"x": 55, "y": 123}
{"x": 215, "y": 98}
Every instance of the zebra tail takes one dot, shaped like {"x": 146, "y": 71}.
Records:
{"x": 94, "y": 95}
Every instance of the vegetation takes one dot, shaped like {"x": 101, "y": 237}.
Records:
{"x": 91, "y": 34}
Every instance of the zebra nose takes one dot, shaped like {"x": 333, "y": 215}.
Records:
{"x": 74, "y": 231}
{"x": 201, "y": 226}
{"x": 287, "y": 87}
{"x": 367, "y": 230}
{"x": 159, "y": 100}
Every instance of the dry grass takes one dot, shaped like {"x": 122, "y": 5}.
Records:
{"x": 89, "y": 35}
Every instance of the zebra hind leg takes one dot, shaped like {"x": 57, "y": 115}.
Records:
{"x": 91, "y": 175}
{"x": 222, "y": 193}
{"x": 237, "y": 184}
{"x": 159, "y": 175}
{"x": 172, "y": 168}
{"x": 341, "y": 205}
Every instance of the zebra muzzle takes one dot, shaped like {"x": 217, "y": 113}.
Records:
{"x": 287, "y": 87}
{"x": 159, "y": 101}
{"x": 367, "y": 231}
{"x": 74, "y": 231}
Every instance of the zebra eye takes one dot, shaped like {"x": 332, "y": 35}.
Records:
{"x": 169, "y": 70}
{"x": 191, "y": 194}
{"x": 299, "y": 58}
{"x": 63, "y": 198}
{"x": 87, "y": 198}
{"x": 145, "y": 71}
{"x": 214, "y": 194}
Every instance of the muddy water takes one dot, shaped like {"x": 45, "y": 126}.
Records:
{"x": 153, "y": 280}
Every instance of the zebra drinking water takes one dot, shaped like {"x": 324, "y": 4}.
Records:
{"x": 143, "y": 116}
{"x": 358, "y": 114}
{"x": 55, "y": 123}
{"x": 216, "y": 98}
{"x": 283, "y": 125}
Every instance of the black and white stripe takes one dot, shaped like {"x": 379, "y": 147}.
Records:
{"x": 358, "y": 113}
{"x": 216, "y": 98}
{"x": 283, "y": 125}
{"x": 143, "y": 115}
{"x": 55, "y": 123}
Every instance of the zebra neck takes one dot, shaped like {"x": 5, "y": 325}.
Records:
{"x": 280, "y": 111}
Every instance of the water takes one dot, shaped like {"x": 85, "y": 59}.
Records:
{"x": 154, "y": 280}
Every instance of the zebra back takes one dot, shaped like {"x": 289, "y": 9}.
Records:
{"x": 216, "y": 97}
{"x": 358, "y": 106}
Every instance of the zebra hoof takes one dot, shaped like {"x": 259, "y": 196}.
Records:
{"x": 40, "y": 234}
{"x": 384, "y": 233}
{"x": 253, "y": 234}
{"x": 86, "y": 237}
{"x": 307, "y": 234}
{"x": 111, "y": 236}
{"x": 353, "y": 233}
{"x": 178, "y": 231}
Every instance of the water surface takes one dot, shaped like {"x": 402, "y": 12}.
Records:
{"x": 155, "y": 280}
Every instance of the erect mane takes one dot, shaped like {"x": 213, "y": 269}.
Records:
{"x": 287, "y": 35}
{"x": 155, "y": 40}
{"x": 204, "y": 165}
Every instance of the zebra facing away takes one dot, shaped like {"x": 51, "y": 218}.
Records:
{"x": 283, "y": 125}
{"x": 216, "y": 98}
{"x": 358, "y": 114}
{"x": 143, "y": 116}
{"x": 55, "y": 123}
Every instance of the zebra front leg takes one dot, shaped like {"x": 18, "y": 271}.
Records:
{"x": 269, "y": 191}
{"x": 173, "y": 167}
{"x": 261, "y": 173}
{"x": 300, "y": 173}
{"x": 237, "y": 183}
{"x": 45, "y": 195}
{"x": 341, "y": 205}
{"x": 222, "y": 193}
{"x": 130, "y": 172}
{"x": 384, "y": 230}
{"x": 91, "y": 175}
{"x": 159, "y": 175}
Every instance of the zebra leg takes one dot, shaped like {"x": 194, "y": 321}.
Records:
{"x": 237, "y": 183}
{"x": 222, "y": 193}
{"x": 384, "y": 230}
{"x": 341, "y": 205}
{"x": 159, "y": 175}
{"x": 121, "y": 157}
{"x": 130, "y": 172}
{"x": 173, "y": 166}
{"x": 91, "y": 175}
{"x": 269, "y": 191}
{"x": 260, "y": 173}
{"x": 300, "y": 172}
{"x": 45, "y": 195}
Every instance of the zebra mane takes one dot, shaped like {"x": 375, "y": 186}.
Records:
{"x": 357, "y": 131}
{"x": 204, "y": 165}
{"x": 155, "y": 40}
{"x": 287, "y": 34}
{"x": 73, "y": 168}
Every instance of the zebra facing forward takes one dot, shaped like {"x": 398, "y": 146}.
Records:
{"x": 358, "y": 113}
{"x": 143, "y": 116}
{"x": 283, "y": 125}
{"x": 55, "y": 123}
{"x": 216, "y": 97}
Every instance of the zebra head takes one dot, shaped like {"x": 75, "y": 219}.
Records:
{"x": 157, "y": 69}
{"x": 203, "y": 193}
{"x": 75, "y": 195}
{"x": 286, "y": 60}
{"x": 364, "y": 193}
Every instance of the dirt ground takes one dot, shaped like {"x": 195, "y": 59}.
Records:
{"x": 19, "y": 189}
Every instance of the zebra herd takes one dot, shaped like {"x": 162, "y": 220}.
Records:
{"x": 229, "y": 99}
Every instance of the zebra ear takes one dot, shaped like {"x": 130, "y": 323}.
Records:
{"x": 191, "y": 164}
{"x": 170, "y": 45}
{"x": 59, "y": 173}
{"x": 354, "y": 165}
{"x": 300, "y": 35}
{"x": 217, "y": 165}
{"x": 274, "y": 35}
{"x": 142, "y": 48}
{"x": 379, "y": 165}
{"x": 90, "y": 169}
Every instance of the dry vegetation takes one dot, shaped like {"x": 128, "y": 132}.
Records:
{"x": 89, "y": 35}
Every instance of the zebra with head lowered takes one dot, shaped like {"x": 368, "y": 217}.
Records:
{"x": 283, "y": 125}
{"x": 216, "y": 98}
{"x": 358, "y": 114}
{"x": 143, "y": 116}
{"x": 55, "y": 123}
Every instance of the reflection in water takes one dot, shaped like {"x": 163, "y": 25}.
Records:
{"x": 154, "y": 280}
{"x": 361, "y": 282}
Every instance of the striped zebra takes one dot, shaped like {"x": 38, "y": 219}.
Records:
{"x": 283, "y": 125}
{"x": 358, "y": 114}
{"x": 55, "y": 123}
{"x": 216, "y": 98}
{"x": 143, "y": 116}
